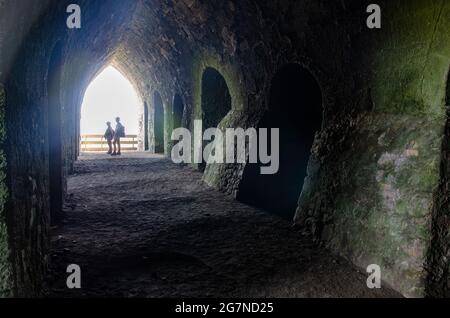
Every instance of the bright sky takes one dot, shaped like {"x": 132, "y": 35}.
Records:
{"x": 108, "y": 96}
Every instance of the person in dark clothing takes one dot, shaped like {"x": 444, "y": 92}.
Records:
{"x": 119, "y": 133}
{"x": 109, "y": 136}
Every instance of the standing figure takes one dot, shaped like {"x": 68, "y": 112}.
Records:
{"x": 109, "y": 136}
{"x": 119, "y": 133}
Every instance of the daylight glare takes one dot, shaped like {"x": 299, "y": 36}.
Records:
{"x": 108, "y": 96}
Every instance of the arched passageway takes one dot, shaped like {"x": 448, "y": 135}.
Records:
{"x": 178, "y": 109}
{"x": 54, "y": 131}
{"x": 295, "y": 107}
{"x": 438, "y": 259}
{"x": 158, "y": 123}
{"x": 216, "y": 100}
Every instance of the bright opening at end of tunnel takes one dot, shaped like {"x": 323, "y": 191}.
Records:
{"x": 108, "y": 96}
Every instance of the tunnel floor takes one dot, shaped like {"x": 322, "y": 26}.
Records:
{"x": 141, "y": 226}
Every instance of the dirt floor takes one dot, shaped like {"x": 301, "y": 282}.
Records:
{"x": 141, "y": 226}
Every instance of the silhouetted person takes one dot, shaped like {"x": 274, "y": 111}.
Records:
{"x": 119, "y": 133}
{"x": 109, "y": 136}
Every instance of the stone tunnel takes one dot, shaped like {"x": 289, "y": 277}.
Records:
{"x": 364, "y": 148}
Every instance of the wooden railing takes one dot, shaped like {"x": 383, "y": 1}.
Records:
{"x": 97, "y": 143}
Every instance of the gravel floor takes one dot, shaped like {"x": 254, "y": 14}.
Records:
{"x": 141, "y": 226}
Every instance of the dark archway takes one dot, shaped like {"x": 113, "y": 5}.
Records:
{"x": 54, "y": 132}
{"x": 178, "y": 110}
{"x": 146, "y": 137}
{"x": 110, "y": 94}
{"x": 158, "y": 123}
{"x": 295, "y": 107}
{"x": 216, "y": 100}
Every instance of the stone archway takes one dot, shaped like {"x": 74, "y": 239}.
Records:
{"x": 146, "y": 128}
{"x": 295, "y": 107}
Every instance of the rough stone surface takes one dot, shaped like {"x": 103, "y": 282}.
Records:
{"x": 379, "y": 217}
{"x": 135, "y": 225}
{"x": 16, "y": 20}
{"x": 5, "y": 265}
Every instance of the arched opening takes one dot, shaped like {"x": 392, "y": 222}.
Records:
{"x": 178, "y": 109}
{"x": 216, "y": 101}
{"x": 146, "y": 137}
{"x": 295, "y": 107}
{"x": 158, "y": 123}
{"x": 54, "y": 132}
{"x": 108, "y": 96}
{"x": 216, "y": 98}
